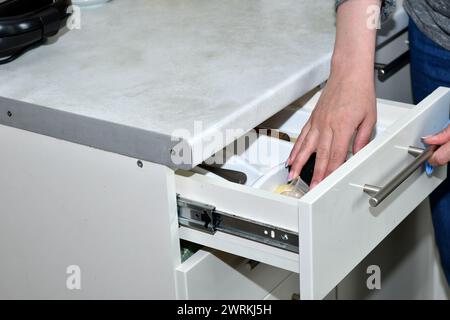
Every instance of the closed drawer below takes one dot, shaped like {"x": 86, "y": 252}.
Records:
{"x": 212, "y": 274}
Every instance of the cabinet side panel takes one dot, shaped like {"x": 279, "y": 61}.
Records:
{"x": 81, "y": 223}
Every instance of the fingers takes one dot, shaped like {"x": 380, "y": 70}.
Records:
{"x": 339, "y": 149}
{"x": 322, "y": 157}
{"x": 298, "y": 143}
{"x": 363, "y": 134}
{"x": 441, "y": 156}
{"x": 440, "y": 138}
{"x": 331, "y": 126}
{"x": 331, "y": 147}
{"x": 309, "y": 145}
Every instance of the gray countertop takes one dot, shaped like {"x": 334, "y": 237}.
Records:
{"x": 140, "y": 72}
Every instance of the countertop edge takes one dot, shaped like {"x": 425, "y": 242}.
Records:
{"x": 112, "y": 137}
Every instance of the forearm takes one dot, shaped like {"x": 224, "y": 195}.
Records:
{"x": 346, "y": 110}
{"x": 354, "y": 52}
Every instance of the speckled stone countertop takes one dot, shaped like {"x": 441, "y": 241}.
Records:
{"x": 140, "y": 72}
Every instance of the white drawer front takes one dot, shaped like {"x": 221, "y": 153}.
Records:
{"x": 248, "y": 203}
{"x": 211, "y": 274}
{"x": 335, "y": 224}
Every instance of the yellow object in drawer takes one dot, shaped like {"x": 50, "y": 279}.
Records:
{"x": 282, "y": 188}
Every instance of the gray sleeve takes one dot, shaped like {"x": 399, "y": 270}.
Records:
{"x": 387, "y": 8}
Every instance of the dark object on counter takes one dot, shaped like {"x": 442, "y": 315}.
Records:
{"x": 26, "y": 24}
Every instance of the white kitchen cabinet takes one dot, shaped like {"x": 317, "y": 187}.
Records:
{"x": 392, "y": 52}
{"x": 396, "y": 86}
{"x": 117, "y": 258}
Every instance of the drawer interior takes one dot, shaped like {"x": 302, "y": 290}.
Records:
{"x": 262, "y": 157}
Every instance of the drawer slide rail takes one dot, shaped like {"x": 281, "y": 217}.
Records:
{"x": 206, "y": 218}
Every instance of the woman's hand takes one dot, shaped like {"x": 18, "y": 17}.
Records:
{"x": 346, "y": 107}
{"x": 442, "y": 155}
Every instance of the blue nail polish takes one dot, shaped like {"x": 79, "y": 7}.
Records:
{"x": 428, "y": 169}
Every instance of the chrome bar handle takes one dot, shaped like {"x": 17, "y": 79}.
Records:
{"x": 378, "y": 194}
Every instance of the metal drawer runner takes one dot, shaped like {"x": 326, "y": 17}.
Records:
{"x": 206, "y": 218}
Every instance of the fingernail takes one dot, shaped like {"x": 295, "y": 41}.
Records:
{"x": 290, "y": 177}
{"x": 426, "y": 137}
{"x": 286, "y": 164}
{"x": 429, "y": 168}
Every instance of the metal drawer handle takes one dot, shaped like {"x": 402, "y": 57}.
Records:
{"x": 385, "y": 71}
{"x": 378, "y": 194}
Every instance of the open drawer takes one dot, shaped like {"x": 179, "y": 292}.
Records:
{"x": 327, "y": 232}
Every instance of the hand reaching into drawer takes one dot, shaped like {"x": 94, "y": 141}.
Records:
{"x": 347, "y": 105}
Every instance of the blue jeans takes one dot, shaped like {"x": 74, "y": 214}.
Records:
{"x": 430, "y": 69}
